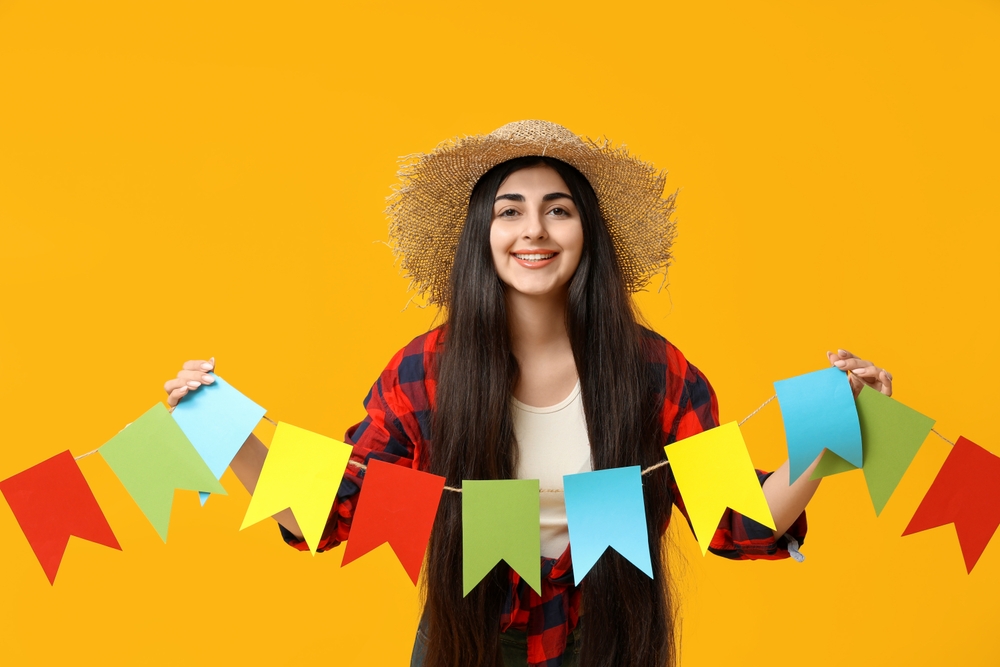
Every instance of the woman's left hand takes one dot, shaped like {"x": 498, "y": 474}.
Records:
{"x": 862, "y": 372}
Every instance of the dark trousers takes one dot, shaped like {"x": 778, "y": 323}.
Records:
{"x": 513, "y": 645}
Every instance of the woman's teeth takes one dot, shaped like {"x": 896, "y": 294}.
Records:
{"x": 535, "y": 257}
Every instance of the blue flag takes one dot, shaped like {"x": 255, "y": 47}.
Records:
{"x": 217, "y": 419}
{"x": 605, "y": 509}
{"x": 819, "y": 412}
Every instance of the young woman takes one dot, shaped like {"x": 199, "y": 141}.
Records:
{"x": 532, "y": 240}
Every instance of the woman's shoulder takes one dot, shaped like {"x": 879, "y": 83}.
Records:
{"x": 426, "y": 344}
{"x": 416, "y": 362}
{"x": 684, "y": 388}
{"x": 658, "y": 350}
{"x": 667, "y": 360}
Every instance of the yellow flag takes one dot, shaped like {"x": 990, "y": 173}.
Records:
{"x": 302, "y": 471}
{"x": 713, "y": 472}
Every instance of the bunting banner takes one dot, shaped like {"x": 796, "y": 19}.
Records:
{"x": 500, "y": 522}
{"x": 302, "y": 472}
{"x": 397, "y": 505}
{"x": 596, "y": 525}
{"x": 217, "y": 419}
{"x": 818, "y": 412}
{"x": 713, "y": 471}
{"x": 891, "y": 436}
{"x": 52, "y": 501}
{"x": 966, "y": 492}
{"x": 151, "y": 458}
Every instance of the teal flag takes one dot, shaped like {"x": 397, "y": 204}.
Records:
{"x": 500, "y": 522}
{"x": 818, "y": 413}
{"x": 152, "y": 457}
{"x": 217, "y": 419}
{"x": 595, "y": 525}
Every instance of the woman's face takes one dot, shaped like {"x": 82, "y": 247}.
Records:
{"x": 536, "y": 235}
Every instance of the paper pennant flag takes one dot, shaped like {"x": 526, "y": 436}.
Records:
{"x": 397, "y": 505}
{"x": 302, "y": 472}
{"x": 217, "y": 419}
{"x": 713, "y": 472}
{"x": 52, "y": 501}
{"x": 966, "y": 492}
{"x": 500, "y": 521}
{"x": 891, "y": 435}
{"x": 151, "y": 458}
{"x": 596, "y": 525}
{"x": 818, "y": 411}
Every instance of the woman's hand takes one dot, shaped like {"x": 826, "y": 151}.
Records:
{"x": 194, "y": 374}
{"x": 862, "y": 372}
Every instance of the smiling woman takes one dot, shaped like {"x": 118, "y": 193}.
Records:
{"x": 536, "y": 237}
{"x": 542, "y": 369}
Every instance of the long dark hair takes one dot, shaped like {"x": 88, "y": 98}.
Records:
{"x": 627, "y": 616}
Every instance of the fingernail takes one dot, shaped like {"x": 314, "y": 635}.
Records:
{"x": 183, "y": 390}
{"x": 206, "y": 367}
{"x": 192, "y": 383}
{"x": 207, "y": 379}
{"x": 839, "y": 363}
{"x": 860, "y": 371}
{"x": 842, "y": 353}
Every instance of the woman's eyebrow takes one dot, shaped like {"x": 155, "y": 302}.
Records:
{"x": 549, "y": 197}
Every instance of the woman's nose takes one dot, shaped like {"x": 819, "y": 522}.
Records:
{"x": 534, "y": 227}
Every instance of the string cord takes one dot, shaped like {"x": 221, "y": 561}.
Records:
{"x": 646, "y": 471}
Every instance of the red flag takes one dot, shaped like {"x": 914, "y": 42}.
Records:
{"x": 397, "y": 505}
{"x": 965, "y": 492}
{"x": 52, "y": 501}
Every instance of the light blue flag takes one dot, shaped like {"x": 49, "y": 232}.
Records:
{"x": 819, "y": 412}
{"x": 217, "y": 419}
{"x": 596, "y": 524}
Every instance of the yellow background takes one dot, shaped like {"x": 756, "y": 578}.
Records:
{"x": 186, "y": 179}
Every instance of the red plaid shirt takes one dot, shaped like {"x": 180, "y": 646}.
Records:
{"x": 398, "y": 427}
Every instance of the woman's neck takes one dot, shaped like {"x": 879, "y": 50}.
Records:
{"x": 536, "y": 322}
{"x": 541, "y": 344}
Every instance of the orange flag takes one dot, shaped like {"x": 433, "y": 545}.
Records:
{"x": 52, "y": 501}
{"x": 397, "y": 505}
{"x": 966, "y": 492}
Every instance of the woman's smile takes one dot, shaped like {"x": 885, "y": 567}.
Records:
{"x": 534, "y": 259}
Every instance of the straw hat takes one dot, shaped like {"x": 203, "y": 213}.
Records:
{"x": 427, "y": 209}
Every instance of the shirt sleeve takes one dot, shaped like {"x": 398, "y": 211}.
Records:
{"x": 738, "y": 537}
{"x": 389, "y": 432}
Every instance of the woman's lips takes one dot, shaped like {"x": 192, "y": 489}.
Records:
{"x": 535, "y": 259}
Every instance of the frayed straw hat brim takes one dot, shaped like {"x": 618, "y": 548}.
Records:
{"x": 428, "y": 208}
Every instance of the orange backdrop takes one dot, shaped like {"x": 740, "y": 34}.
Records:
{"x": 190, "y": 179}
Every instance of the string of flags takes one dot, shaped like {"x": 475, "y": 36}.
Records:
{"x": 190, "y": 448}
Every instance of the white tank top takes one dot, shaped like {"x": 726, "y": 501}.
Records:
{"x": 552, "y": 442}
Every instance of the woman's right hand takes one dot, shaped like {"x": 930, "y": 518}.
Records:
{"x": 249, "y": 460}
{"x": 194, "y": 374}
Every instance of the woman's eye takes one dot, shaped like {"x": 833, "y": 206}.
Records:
{"x": 507, "y": 213}
{"x": 559, "y": 211}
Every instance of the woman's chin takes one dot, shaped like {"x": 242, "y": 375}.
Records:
{"x": 536, "y": 290}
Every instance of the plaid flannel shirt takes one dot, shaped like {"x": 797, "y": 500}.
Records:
{"x": 398, "y": 426}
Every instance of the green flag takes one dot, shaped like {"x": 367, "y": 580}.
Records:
{"x": 891, "y": 435}
{"x": 152, "y": 457}
{"x": 500, "y": 521}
